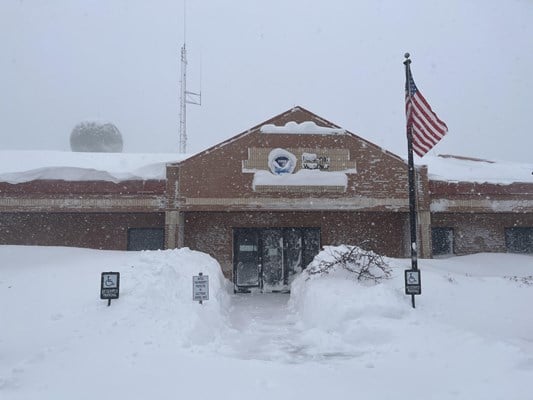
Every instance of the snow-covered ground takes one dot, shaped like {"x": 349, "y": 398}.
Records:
{"x": 470, "y": 337}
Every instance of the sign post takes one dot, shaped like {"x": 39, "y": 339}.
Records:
{"x": 109, "y": 286}
{"x": 413, "y": 284}
{"x": 200, "y": 288}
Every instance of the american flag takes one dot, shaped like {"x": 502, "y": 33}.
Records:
{"x": 427, "y": 129}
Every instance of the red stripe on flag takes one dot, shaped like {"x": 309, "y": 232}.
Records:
{"x": 418, "y": 97}
{"x": 428, "y": 116}
{"x": 426, "y": 128}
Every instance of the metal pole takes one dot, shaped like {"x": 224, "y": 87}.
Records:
{"x": 412, "y": 184}
{"x": 183, "y": 102}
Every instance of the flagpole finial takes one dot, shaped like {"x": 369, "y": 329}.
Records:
{"x": 407, "y": 59}
{"x": 407, "y": 55}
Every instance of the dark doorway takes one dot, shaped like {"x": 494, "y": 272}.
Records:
{"x": 146, "y": 238}
{"x": 268, "y": 258}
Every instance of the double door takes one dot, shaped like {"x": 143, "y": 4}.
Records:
{"x": 269, "y": 258}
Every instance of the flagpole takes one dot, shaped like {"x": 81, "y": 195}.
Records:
{"x": 412, "y": 186}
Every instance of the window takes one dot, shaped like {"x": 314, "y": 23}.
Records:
{"x": 442, "y": 239}
{"x": 519, "y": 240}
{"x": 146, "y": 238}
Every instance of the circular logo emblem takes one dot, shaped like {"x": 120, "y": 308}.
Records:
{"x": 281, "y": 162}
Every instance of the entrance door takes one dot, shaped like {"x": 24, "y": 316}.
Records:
{"x": 246, "y": 258}
{"x": 272, "y": 259}
{"x": 268, "y": 258}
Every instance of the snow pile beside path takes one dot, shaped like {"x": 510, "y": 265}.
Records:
{"x": 337, "y": 311}
{"x": 59, "y": 340}
{"x": 159, "y": 287}
{"x": 468, "y": 329}
{"x": 60, "y": 289}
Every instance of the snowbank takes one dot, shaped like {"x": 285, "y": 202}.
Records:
{"x": 336, "y": 311}
{"x": 469, "y": 338}
{"x": 465, "y": 327}
{"x": 24, "y": 166}
{"x": 54, "y": 291}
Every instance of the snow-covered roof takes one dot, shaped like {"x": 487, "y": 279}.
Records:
{"x": 306, "y": 127}
{"x": 464, "y": 169}
{"x": 24, "y": 166}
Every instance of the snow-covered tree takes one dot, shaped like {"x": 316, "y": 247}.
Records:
{"x": 92, "y": 136}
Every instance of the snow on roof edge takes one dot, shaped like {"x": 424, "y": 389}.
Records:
{"x": 28, "y": 165}
{"x": 305, "y": 127}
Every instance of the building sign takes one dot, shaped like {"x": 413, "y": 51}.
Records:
{"x": 200, "y": 287}
{"x": 312, "y": 161}
{"x": 110, "y": 286}
{"x": 281, "y": 162}
{"x": 412, "y": 282}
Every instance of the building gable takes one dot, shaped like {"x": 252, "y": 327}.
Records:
{"x": 324, "y": 167}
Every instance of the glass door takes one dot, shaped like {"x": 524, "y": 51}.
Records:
{"x": 270, "y": 258}
{"x": 246, "y": 258}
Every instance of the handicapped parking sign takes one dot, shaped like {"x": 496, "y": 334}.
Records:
{"x": 110, "y": 286}
{"x": 110, "y": 280}
{"x": 412, "y": 281}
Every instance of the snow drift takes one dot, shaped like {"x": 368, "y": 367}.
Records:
{"x": 470, "y": 336}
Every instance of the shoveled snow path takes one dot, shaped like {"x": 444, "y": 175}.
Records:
{"x": 263, "y": 327}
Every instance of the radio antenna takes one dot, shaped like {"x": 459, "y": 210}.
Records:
{"x": 186, "y": 97}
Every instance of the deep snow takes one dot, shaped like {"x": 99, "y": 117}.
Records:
{"x": 24, "y": 166}
{"x": 470, "y": 337}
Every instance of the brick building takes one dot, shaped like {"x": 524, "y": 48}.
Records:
{"x": 264, "y": 202}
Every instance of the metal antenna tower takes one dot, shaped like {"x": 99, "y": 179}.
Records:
{"x": 186, "y": 97}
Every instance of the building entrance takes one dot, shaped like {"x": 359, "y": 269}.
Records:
{"x": 269, "y": 258}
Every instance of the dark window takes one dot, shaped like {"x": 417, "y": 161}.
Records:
{"x": 146, "y": 238}
{"x": 442, "y": 239}
{"x": 519, "y": 240}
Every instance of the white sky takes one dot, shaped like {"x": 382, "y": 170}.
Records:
{"x": 67, "y": 61}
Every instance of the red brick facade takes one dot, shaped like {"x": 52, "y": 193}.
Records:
{"x": 95, "y": 230}
{"x": 205, "y": 197}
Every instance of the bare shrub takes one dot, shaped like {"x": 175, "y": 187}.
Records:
{"x": 365, "y": 265}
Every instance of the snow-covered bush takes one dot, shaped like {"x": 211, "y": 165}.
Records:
{"x": 92, "y": 136}
{"x": 365, "y": 265}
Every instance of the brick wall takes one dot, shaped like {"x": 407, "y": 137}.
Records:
{"x": 480, "y": 232}
{"x": 93, "y": 230}
{"x": 212, "y": 232}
